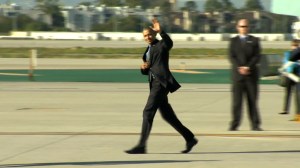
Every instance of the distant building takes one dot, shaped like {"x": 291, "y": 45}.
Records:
{"x": 9, "y": 10}
{"x": 82, "y": 18}
{"x": 38, "y": 15}
{"x": 13, "y": 10}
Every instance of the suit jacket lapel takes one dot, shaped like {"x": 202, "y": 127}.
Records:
{"x": 151, "y": 55}
{"x": 144, "y": 55}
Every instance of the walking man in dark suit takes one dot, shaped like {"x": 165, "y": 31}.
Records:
{"x": 161, "y": 81}
{"x": 244, "y": 54}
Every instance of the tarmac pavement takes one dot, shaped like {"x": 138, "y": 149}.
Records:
{"x": 125, "y": 44}
{"x": 74, "y": 124}
{"x": 91, "y": 124}
{"x": 60, "y": 63}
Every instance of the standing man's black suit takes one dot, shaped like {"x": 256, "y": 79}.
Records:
{"x": 161, "y": 81}
{"x": 295, "y": 56}
{"x": 244, "y": 54}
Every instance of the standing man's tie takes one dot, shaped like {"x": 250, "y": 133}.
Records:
{"x": 243, "y": 40}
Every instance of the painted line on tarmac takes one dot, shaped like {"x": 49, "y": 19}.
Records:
{"x": 16, "y": 74}
{"x": 189, "y": 71}
{"x": 257, "y": 135}
{"x": 270, "y": 78}
{"x": 13, "y": 74}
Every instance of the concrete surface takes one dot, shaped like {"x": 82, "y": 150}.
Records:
{"x": 91, "y": 124}
{"x": 51, "y": 63}
{"x": 60, "y": 125}
{"x": 126, "y": 44}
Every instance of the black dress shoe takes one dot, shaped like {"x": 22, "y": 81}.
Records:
{"x": 233, "y": 129}
{"x": 257, "y": 129}
{"x": 190, "y": 145}
{"x": 284, "y": 112}
{"x": 136, "y": 150}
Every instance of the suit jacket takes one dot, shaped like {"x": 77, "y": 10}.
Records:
{"x": 159, "y": 62}
{"x": 295, "y": 55}
{"x": 244, "y": 54}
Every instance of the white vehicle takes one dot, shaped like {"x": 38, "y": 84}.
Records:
{"x": 296, "y": 30}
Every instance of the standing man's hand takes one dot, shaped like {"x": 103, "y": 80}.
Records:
{"x": 156, "y": 25}
{"x": 243, "y": 70}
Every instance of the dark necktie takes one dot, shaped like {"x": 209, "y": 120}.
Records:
{"x": 148, "y": 54}
{"x": 243, "y": 41}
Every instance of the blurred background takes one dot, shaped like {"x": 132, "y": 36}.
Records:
{"x": 177, "y": 16}
{"x": 110, "y": 30}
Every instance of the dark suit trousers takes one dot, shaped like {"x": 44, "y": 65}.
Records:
{"x": 297, "y": 98}
{"x": 158, "y": 100}
{"x": 249, "y": 88}
{"x": 288, "y": 94}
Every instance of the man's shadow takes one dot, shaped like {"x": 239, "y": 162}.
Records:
{"x": 101, "y": 163}
{"x": 249, "y": 152}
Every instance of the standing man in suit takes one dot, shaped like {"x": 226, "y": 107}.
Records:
{"x": 290, "y": 84}
{"x": 244, "y": 54}
{"x": 295, "y": 57}
{"x": 161, "y": 81}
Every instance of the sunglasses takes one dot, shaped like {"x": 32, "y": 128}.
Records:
{"x": 243, "y": 26}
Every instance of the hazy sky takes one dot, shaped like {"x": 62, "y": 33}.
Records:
{"x": 279, "y": 6}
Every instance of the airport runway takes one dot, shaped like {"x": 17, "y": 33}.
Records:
{"x": 125, "y": 44}
{"x": 90, "y": 124}
{"x": 67, "y": 125}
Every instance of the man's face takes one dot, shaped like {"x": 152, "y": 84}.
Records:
{"x": 243, "y": 27}
{"x": 149, "y": 36}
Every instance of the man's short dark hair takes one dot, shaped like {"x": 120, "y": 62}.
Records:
{"x": 295, "y": 42}
{"x": 150, "y": 30}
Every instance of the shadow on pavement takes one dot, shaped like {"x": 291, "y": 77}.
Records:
{"x": 99, "y": 163}
{"x": 249, "y": 152}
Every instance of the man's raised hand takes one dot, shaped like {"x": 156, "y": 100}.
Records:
{"x": 156, "y": 25}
